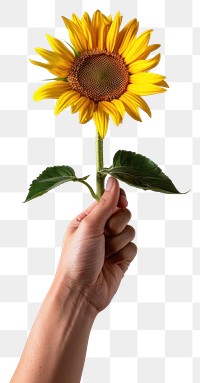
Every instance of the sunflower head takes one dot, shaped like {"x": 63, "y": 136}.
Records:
{"x": 99, "y": 75}
{"x": 105, "y": 72}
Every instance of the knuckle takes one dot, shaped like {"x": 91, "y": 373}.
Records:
{"x": 102, "y": 201}
{"x": 128, "y": 214}
{"x": 131, "y": 231}
{"x": 112, "y": 227}
{"x": 73, "y": 223}
{"x": 85, "y": 222}
{"x": 116, "y": 221}
{"x": 124, "y": 214}
{"x": 132, "y": 249}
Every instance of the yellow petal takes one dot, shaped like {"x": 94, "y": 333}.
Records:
{"x": 148, "y": 50}
{"x": 55, "y": 69}
{"x": 66, "y": 100}
{"x": 43, "y": 65}
{"x": 76, "y": 35}
{"x": 48, "y": 55}
{"x": 130, "y": 107}
{"x": 84, "y": 28}
{"x": 138, "y": 101}
{"x": 101, "y": 26}
{"x": 137, "y": 47}
{"x": 51, "y": 90}
{"x": 86, "y": 113}
{"x": 96, "y": 20}
{"x": 98, "y": 17}
{"x": 101, "y": 121}
{"x": 109, "y": 18}
{"x": 113, "y": 32}
{"x": 128, "y": 37}
{"x": 89, "y": 31}
{"x": 145, "y": 78}
{"x": 55, "y": 59}
{"x": 142, "y": 65}
{"x": 103, "y": 31}
{"x": 163, "y": 83}
{"x": 120, "y": 106}
{"x": 87, "y": 18}
{"x": 60, "y": 48}
{"x": 82, "y": 102}
{"x": 60, "y": 72}
{"x": 123, "y": 32}
{"x": 145, "y": 89}
{"x": 77, "y": 21}
{"x": 112, "y": 110}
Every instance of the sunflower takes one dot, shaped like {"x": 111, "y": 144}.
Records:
{"x": 105, "y": 72}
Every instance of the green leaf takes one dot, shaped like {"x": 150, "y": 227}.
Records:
{"x": 77, "y": 54}
{"x": 139, "y": 171}
{"x": 50, "y": 178}
{"x": 65, "y": 79}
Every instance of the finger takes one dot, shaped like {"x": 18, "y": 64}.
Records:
{"x": 117, "y": 222}
{"x": 122, "y": 203}
{"x": 75, "y": 222}
{"x": 122, "y": 199}
{"x": 105, "y": 207}
{"x": 116, "y": 243}
{"x": 124, "y": 257}
{"x": 85, "y": 212}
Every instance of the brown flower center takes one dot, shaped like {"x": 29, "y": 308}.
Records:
{"x": 99, "y": 75}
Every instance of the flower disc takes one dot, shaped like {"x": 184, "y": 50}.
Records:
{"x": 99, "y": 75}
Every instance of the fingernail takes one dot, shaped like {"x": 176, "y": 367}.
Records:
{"x": 122, "y": 193}
{"x": 109, "y": 183}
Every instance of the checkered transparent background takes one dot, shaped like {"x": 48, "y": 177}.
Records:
{"x": 151, "y": 330}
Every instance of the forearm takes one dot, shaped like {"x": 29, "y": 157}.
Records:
{"x": 56, "y": 348}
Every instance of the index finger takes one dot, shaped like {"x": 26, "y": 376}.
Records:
{"x": 122, "y": 203}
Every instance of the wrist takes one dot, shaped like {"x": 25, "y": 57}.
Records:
{"x": 68, "y": 292}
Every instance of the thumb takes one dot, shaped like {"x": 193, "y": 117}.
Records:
{"x": 106, "y": 205}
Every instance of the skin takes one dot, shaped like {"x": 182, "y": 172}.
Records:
{"x": 96, "y": 252}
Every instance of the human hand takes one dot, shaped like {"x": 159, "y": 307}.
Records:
{"x": 97, "y": 248}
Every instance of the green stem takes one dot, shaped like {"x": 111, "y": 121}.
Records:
{"x": 90, "y": 189}
{"x": 99, "y": 165}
